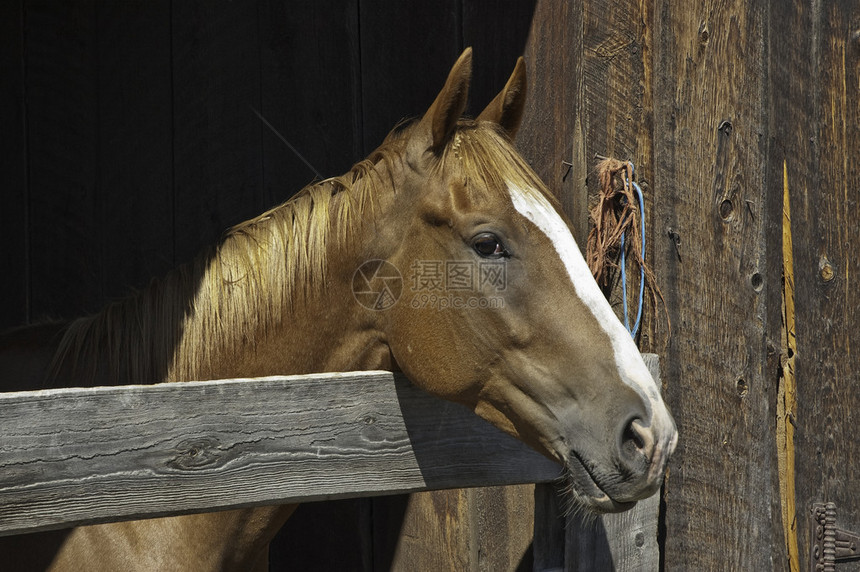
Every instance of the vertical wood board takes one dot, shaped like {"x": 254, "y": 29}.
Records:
{"x": 552, "y": 136}
{"x": 824, "y": 184}
{"x": 709, "y": 148}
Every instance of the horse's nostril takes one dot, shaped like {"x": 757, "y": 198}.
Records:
{"x": 632, "y": 436}
{"x": 637, "y": 443}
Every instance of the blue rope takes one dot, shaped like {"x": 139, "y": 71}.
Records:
{"x": 641, "y": 200}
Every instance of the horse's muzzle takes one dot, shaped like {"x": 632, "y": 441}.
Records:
{"x": 643, "y": 454}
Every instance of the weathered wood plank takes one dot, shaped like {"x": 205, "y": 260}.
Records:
{"x": 624, "y": 541}
{"x": 791, "y": 152}
{"x": 616, "y": 100}
{"x": 552, "y": 136}
{"x": 423, "y": 543}
{"x": 503, "y": 521}
{"x": 710, "y": 124}
{"x": 821, "y": 149}
{"x": 485, "y": 528}
{"x": 76, "y": 456}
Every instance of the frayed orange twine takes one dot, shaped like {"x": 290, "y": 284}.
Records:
{"x": 616, "y": 216}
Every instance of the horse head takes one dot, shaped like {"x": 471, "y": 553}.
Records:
{"x": 498, "y": 309}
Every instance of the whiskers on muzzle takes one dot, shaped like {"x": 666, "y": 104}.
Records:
{"x": 573, "y": 504}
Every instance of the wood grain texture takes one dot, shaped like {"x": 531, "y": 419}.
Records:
{"x": 589, "y": 95}
{"x": 710, "y": 153}
{"x": 623, "y": 541}
{"x": 791, "y": 162}
{"x": 79, "y": 456}
{"x": 425, "y": 543}
{"x": 821, "y": 148}
{"x": 486, "y": 528}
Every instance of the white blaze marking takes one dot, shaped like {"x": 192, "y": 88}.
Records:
{"x": 632, "y": 370}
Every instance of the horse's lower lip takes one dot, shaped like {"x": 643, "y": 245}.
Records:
{"x": 588, "y": 489}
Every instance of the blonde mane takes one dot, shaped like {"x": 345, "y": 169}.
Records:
{"x": 242, "y": 288}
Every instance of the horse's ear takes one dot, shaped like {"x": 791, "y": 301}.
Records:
{"x": 443, "y": 114}
{"x": 507, "y": 107}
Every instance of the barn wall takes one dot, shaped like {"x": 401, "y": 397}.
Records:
{"x": 711, "y": 101}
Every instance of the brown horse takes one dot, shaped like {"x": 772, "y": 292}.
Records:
{"x": 547, "y": 361}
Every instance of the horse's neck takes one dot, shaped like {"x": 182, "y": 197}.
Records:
{"x": 317, "y": 328}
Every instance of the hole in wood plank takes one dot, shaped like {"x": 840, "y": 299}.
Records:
{"x": 743, "y": 388}
{"x": 726, "y": 210}
{"x": 757, "y": 282}
{"x": 704, "y": 33}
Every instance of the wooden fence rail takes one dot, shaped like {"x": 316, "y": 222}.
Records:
{"x": 78, "y": 456}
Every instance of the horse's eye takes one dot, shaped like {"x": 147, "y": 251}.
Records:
{"x": 488, "y": 245}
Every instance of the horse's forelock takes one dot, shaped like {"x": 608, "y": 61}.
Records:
{"x": 488, "y": 160}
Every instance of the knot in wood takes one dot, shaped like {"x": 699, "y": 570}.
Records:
{"x": 197, "y": 453}
{"x": 825, "y": 269}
